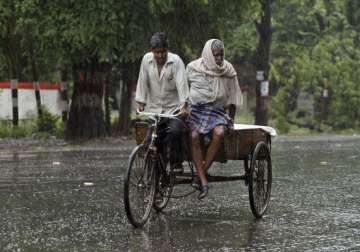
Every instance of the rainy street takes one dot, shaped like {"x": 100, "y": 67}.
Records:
{"x": 60, "y": 197}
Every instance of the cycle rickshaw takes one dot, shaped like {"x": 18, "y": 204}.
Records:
{"x": 149, "y": 179}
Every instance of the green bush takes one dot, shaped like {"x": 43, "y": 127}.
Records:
{"x": 46, "y": 122}
{"x": 282, "y": 125}
{"x": 59, "y": 128}
{"x": 44, "y": 126}
{"x": 25, "y": 128}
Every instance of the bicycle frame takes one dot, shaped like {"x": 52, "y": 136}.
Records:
{"x": 156, "y": 117}
{"x": 250, "y": 144}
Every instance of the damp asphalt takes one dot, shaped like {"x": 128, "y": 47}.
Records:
{"x": 58, "y": 196}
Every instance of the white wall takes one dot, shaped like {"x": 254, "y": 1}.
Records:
{"x": 52, "y": 101}
{"x": 27, "y": 104}
{"x": 5, "y": 104}
{"x": 50, "y": 98}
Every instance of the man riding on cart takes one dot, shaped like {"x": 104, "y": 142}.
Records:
{"x": 214, "y": 88}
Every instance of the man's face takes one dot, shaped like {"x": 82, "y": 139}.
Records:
{"x": 219, "y": 56}
{"x": 160, "y": 55}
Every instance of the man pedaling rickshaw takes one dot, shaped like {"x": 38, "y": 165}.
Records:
{"x": 162, "y": 88}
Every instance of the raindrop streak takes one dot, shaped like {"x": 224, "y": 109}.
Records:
{"x": 88, "y": 184}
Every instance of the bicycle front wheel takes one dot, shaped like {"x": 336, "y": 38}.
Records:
{"x": 139, "y": 186}
{"x": 165, "y": 180}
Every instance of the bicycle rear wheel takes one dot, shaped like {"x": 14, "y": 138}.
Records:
{"x": 260, "y": 179}
{"x": 139, "y": 186}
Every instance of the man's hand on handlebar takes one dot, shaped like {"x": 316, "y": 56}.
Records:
{"x": 184, "y": 112}
{"x": 140, "y": 106}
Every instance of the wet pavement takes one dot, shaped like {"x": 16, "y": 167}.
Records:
{"x": 59, "y": 197}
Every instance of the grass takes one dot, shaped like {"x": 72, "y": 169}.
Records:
{"x": 245, "y": 118}
{"x": 294, "y": 130}
{"x": 25, "y": 128}
{"x": 29, "y": 128}
{"x": 248, "y": 118}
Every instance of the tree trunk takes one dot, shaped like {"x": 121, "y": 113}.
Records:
{"x": 35, "y": 75}
{"x": 12, "y": 55}
{"x": 126, "y": 97}
{"x": 86, "y": 117}
{"x": 107, "y": 103}
{"x": 12, "y": 48}
{"x": 262, "y": 60}
{"x": 63, "y": 72}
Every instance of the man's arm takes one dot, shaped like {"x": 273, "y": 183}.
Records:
{"x": 141, "y": 106}
{"x": 142, "y": 86}
{"x": 184, "y": 111}
{"x": 232, "y": 111}
{"x": 234, "y": 97}
{"x": 182, "y": 87}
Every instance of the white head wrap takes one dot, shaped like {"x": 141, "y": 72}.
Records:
{"x": 206, "y": 64}
{"x": 222, "y": 88}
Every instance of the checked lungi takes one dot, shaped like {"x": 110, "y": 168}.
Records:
{"x": 205, "y": 117}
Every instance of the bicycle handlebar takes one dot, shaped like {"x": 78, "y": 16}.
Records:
{"x": 158, "y": 114}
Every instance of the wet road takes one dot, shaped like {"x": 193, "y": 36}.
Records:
{"x": 70, "y": 199}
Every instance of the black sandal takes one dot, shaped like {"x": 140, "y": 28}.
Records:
{"x": 196, "y": 183}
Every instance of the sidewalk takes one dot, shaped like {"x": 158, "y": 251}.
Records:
{"x": 55, "y": 144}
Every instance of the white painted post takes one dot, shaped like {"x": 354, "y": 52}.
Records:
{"x": 64, "y": 99}
{"x": 15, "y": 102}
{"x": 36, "y": 86}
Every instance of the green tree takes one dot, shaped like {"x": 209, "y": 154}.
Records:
{"x": 90, "y": 39}
{"x": 10, "y": 40}
{"x": 315, "y": 52}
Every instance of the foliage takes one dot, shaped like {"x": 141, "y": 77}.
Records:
{"x": 70, "y": 31}
{"x": 316, "y": 46}
{"x": 244, "y": 118}
{"x": 46, "y": 122}
{"x": 282, "y": 125}
{"x": 25, "y": 129}
{"x": 315, "y": 49}
{"x": 43, "y": 127}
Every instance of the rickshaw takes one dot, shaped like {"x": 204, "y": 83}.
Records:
{"x": 149, "y": 179}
